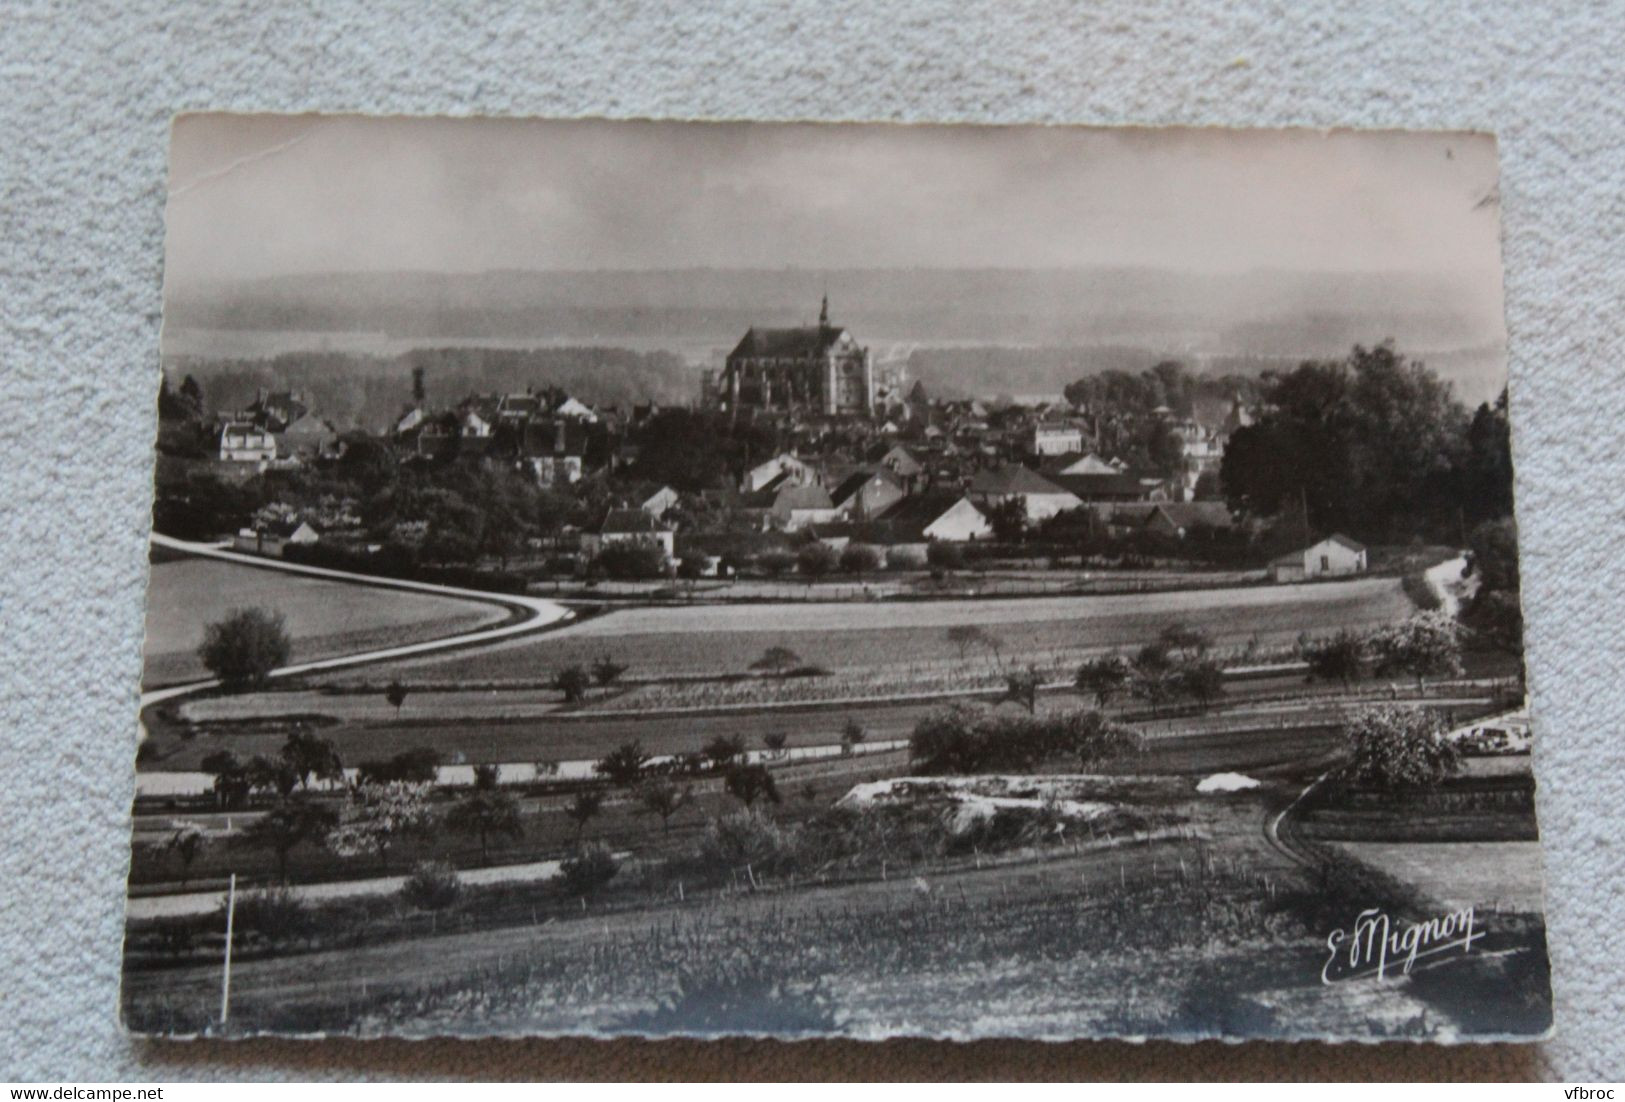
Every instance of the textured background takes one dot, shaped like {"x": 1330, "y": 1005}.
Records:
{"x": 86, "y": 93}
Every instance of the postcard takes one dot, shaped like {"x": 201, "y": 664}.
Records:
{"x": 802, "y": 580}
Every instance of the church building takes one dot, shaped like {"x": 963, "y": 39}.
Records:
{"x": 811, "y": 369}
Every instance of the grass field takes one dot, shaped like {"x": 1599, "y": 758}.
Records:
{"x": 324, "y": 618}
{"x": 869, "y": 637}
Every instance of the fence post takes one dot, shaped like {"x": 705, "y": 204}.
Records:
{"x": 225, "y": 979}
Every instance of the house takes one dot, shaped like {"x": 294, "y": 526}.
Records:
{"x": 1176, "y": 519}
{"x": 1117, "y": 487}
{"x": 277, "y": 409}
{"x": 1047, "y": 438}
{"x": 271, "y": 539}
{"x": 1334, "y": 556}
{"x": 783, "y": 466}
{"x": 1079, "y": 464}
{"x": 554, "y": 452}
{"x": 628, "y": 526}
{"x": 657, "y": 503}
{"x": 937, "y": 515}
{"x": 795, "y": 507}
{"x": 1040, "y": 497}
{"x": 245, "y": 442}
{"x": 903, "y": 463}
{"x": 867, "y": 493}
{"x": 309, "y": 437}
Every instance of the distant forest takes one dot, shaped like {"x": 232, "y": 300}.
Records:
{"x": 360, "y": 391}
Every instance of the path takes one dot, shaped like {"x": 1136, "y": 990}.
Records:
{"x": 534, "y": 613}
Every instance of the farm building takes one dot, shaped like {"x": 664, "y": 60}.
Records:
{"x": 1040, "y": 497}
{"x": 628, "y": 526}
{"x": 942, "y": 515}
{"x": 1333, "y": 556}
{"x": 271, "y": 539}
{"x": 1176, "y": 519}
{"x": 867, "y": 493}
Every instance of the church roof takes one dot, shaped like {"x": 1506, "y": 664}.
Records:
{"x": 809, "y": 340}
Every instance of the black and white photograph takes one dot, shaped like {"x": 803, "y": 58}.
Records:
{"x": 832, "y": 580}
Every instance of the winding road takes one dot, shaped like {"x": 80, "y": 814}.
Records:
{"x": 533, "y": 614}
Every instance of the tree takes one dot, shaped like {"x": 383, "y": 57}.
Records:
{"x": 486, "y": 812}
{"x": 945, "y": 556}
{"x": 419, "y": 765}
{"x": 431, "y": 886}
{"x": 852, "y": 735}
{"x": 1184, "y": 642}
{"x": 1008, "y": 517}
{"x": 1202, "y": 680}
{"x": 777, "y": 660}
{"x": 583, "y": 808}
{"x": 817, "y": 559}
{"x": 1104, "y": 677}
{"x": 1424, "y": 646}
{"x": 624, "y": 764}
{"x": 1022, "y": 687}
{"x": 573, "y": 682}
{"x": 310, "y": 755}
{"x": 1493, "y": 549}
{"x": 775, "y": 563}
{"x": 395, "y": 693}
{"x": 723, "y": 750}
{"x": 1395, "y": 748}
{"x": 1341, "y": 657}
{"x": 192, "y": 394}
{"x": 186, "y": 843}
{"x": 378, "y": 816}
{"x": 632, "y": 559}
{"x": 243, "y": 649}
{"x": 749, "y": 783}
{"x": 966, "y": 636}
{"x": 860, "y": 558}
{"x": 774, "y": 742}
{"x": 588, "y": 869}
{"x": 272, "y": 775}
{"x": 606, "y": 671}
{"x": 231, "y": 786}
{"x": 287, "y": 826}
{"x": 661, "y": 797}
{"x": 1153, "y": 676}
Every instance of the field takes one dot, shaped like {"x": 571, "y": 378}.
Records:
{"x": 324, "y": 618}
{"x": 665, "y": 641}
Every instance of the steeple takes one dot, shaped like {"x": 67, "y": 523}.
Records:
{"x": 823, "y": 313}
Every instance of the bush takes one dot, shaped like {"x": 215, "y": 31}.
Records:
{"x": 588, "y": 869}
{"x": 275, "y": 914}
{"x": 945, "y": 556}
{"x": 749, "y": 838}
{"x": 817, "y": 559}
{"x": 419, "y": 765}
{"x": 775, "y": 563}
{"x": 905, "y": 558}
{"x": 965, "y": 739}
{"x": 432, "y": 886}
{"x": 860, "y": 558}
{"x": 632, "y": 559}
{"x": 246, "y": 646}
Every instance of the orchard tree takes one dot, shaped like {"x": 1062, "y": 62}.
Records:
{"x": 486, "y": 812}
{"x": 723, "y": 750}
{"x": 584, "y": 808}
{"x": 573, "y": 682}
{"x": 1341, "y": 657}
{"x": 1395, "y": 748}
{"x": 852, "y": 735}
{"x": 1103, "y": 677}
{"x": 245, "y": 647}
{"x": 378, "y": 816}
{"x": 1428, "y": 645}
{"x": 312, "y": 756}
{"x": 287, "y": 826}
{"x": 1022, "y": 687}
{"x": 777, "y": 660}
{"x": 395, "y": 693}
{"x": 661, "y": 797}
{"x": 749, "y": 783}
{"x": 186, "y": 843}
{"x": 606, "y": 671}
{"x": 1202, "y": 680}
{"x": 624, "y": 764}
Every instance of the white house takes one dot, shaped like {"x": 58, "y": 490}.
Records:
{"x": 271, "y": 539}
{"x": 629, "y": 526}
{"x": 961, "y": 522}
{"x": 792, "y": 469}
{"x": 1333, "y": 556}
{"x": 1054, "y": 438}
{"x": 657, "y": 503}
{"x": 242, "y": 442}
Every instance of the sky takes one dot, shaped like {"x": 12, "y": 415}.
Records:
{"x": 254, "y": 196}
